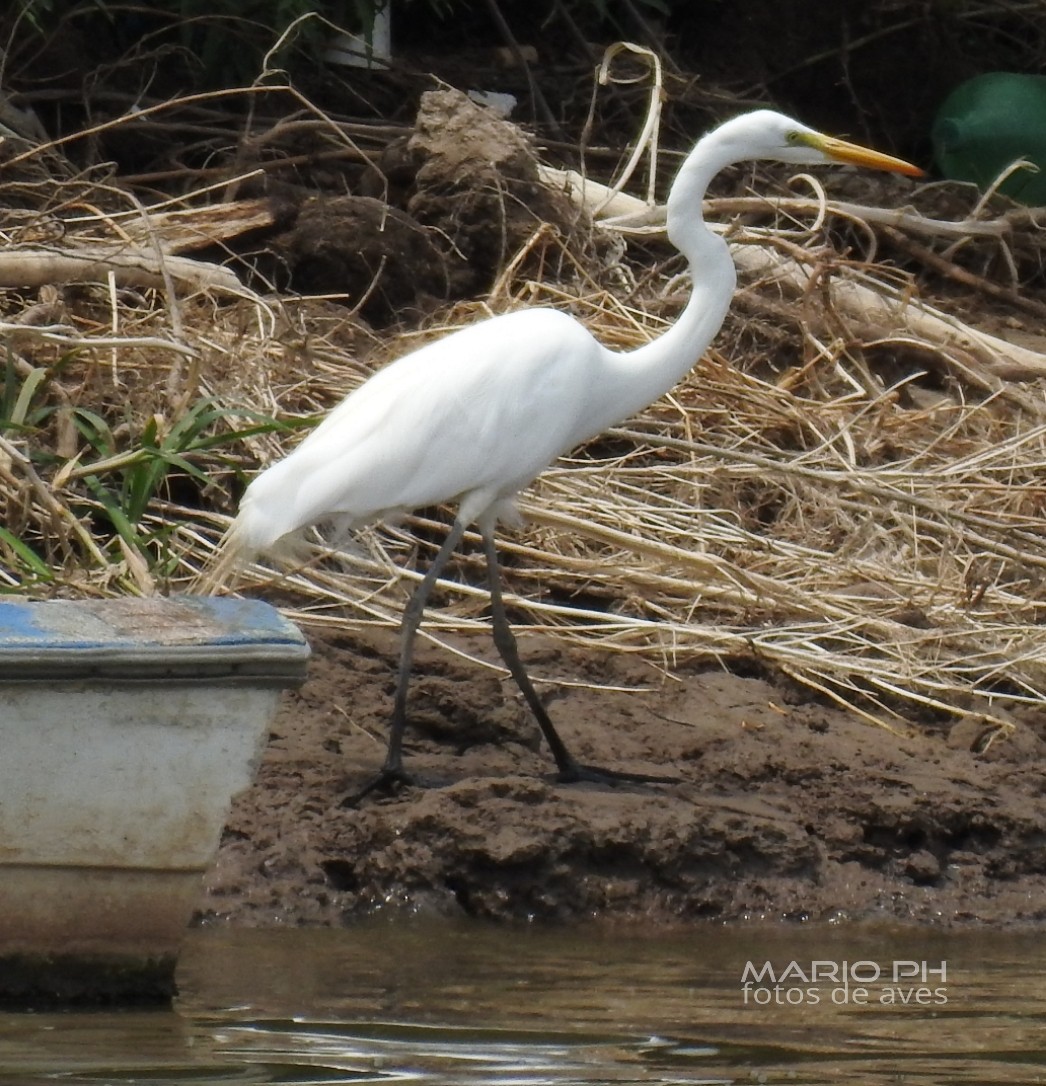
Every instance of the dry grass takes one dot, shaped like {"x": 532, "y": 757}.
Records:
{"x": 880, "y": 547}
{"x": 864, "y": 515}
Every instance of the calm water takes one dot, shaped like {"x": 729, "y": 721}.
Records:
{"x": 440, "y": 1004}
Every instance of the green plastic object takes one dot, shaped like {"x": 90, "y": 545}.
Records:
{"x": 989, "y": 122}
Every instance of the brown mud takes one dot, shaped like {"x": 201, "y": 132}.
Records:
{"x": 786, "y": 807}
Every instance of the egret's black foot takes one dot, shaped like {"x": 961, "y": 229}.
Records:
{"x": 389, "y": 782}
{"x": 576, "y": 773}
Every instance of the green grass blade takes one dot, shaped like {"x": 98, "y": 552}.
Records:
{"x": 119, "y": 519}
{"x": 25, "y": 395}
{"x": 29, "y": 557}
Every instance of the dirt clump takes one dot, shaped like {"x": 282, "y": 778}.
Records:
{"x": 436, "y": 218}
{"x": 381, "y": 257}
{"x": 785, "y": 808}
{"x": 478, "y": 184}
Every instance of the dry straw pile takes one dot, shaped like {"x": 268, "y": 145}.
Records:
{"x": 849, "y": 490}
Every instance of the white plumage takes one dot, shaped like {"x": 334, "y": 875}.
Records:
{"x": 470, "y": 418}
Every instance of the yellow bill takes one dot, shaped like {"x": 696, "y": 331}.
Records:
{"x": 853, "y": 153}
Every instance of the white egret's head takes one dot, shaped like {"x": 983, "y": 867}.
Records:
{"x": 770, "y": 135}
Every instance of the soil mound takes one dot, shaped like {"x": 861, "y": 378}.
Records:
{"x": 786, "y": 807}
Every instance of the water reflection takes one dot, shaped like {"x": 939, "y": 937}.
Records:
{"x": 392, "y": 1002}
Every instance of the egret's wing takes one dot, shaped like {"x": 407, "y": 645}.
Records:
{"x": 473, "y": 417}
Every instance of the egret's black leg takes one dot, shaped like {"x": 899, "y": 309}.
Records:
{"x": 570, "y": 769}
{"x": 392, "y": 774}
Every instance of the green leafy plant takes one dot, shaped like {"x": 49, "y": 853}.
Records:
{"x": 159, "y": 459}
{"x": 101, "y": 505}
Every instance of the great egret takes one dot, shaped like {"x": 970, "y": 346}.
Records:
{"x": 474, "y": 417}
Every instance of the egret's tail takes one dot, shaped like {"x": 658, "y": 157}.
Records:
{"x": 250, "y": 536}
{"x": 275, "y": 512}
{"x": 233, "y": 554}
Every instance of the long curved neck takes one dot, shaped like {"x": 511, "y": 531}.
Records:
{"x": 637, "y": 378}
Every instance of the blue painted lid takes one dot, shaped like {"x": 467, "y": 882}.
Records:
{"x": 182, "y": 637}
